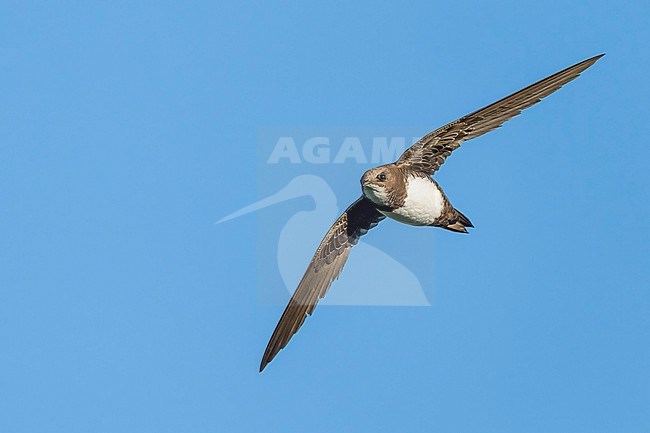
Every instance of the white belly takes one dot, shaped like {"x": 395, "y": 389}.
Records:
{"x": 423, "y": 204}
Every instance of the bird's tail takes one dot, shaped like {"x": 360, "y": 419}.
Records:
{"x": 459, "y": 223}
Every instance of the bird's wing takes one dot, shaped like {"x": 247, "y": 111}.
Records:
{"x": 430, "y": 152}
{"x": 325, "y": 267}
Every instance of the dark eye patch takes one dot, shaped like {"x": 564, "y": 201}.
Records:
{"x": 381, "y": 177}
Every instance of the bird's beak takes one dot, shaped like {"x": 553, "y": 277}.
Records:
{"x": 366, "y": 183}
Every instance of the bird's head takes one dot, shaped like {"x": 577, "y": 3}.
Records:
{"x": 384, "y": 184}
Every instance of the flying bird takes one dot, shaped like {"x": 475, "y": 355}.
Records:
{"x": 406, "y": 192}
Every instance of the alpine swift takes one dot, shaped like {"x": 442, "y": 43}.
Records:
{"x": 406, "y": 192}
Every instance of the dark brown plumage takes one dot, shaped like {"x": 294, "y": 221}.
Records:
{"x": 387, "y": 191}
{"x": 431, "y": 151}
{"x": 325, "y": 267}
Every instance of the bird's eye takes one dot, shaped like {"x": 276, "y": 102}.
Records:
{"x": 381, "y": 177}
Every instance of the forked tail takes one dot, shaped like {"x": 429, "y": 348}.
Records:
{"x": 458, "y": 223}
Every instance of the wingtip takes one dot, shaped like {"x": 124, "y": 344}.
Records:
{"x": 265, "y": 361}
{"x": 594, "y": 59}
{"x": 580, "y": 67}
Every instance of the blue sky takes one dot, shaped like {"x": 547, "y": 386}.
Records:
{"x": 129, "y": 128}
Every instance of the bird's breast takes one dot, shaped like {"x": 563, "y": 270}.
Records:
{"x": 423, "y": 204}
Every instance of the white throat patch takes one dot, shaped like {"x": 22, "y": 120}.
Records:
{"x": 378, "y": 196}
{"x": 423, "y": 204}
